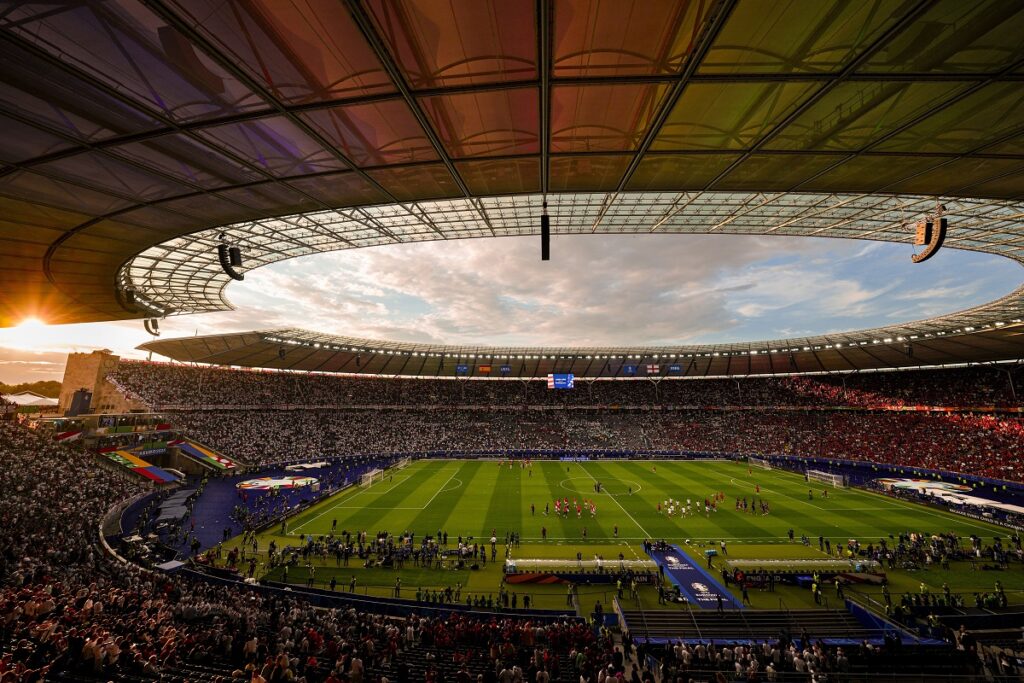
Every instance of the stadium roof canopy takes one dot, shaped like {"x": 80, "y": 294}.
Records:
{"x": 132, "y": 133}
{"x": 29, "y": 398}
{"x": 301, "y": 350}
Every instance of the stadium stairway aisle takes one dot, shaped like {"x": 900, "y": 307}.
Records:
{"x": 833, "y": 627}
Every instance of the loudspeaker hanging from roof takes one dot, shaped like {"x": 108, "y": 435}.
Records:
{"x": 545, "y": 235}
{"x": 230, "y": 257}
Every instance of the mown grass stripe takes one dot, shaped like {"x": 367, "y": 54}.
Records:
{"x": 439, "y": 503}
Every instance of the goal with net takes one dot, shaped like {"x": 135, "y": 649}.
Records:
{"x": 404, "y": 462}
{"x": 835, "y": 480}
{"x": 759, "y": 462}
{"x": 371, "y": 477}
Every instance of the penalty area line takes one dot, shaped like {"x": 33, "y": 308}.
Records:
{"x": 442, "y": 489}
{"x": 338, "y": 505}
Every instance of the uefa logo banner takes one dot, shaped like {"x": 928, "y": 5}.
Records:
{"x": 267, "y": 483}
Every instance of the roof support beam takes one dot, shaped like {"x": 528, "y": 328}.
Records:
{"x": 200, "y": 41}
{"x": 905, "y": 21}
{"x": 714, "y": 27}
{"x": 544, "y": 67}
{"x": 365, "y": 25}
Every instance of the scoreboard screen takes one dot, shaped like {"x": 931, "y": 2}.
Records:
{"x": 560, "y": 381}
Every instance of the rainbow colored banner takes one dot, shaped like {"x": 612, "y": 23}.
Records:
{"x": 206, "y": 456}
{"x": 140, "y": 467}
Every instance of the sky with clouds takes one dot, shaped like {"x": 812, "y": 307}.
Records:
{"x": 596, "y": 290}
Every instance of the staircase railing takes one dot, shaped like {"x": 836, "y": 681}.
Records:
{"x": 643, "y": 618}
{"x": 693, "y": 618}
{"x": 746, "y": 624}
{"x": 878, "y": 609}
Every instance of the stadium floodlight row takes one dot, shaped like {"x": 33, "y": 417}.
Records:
{"x": 308, "y": 351}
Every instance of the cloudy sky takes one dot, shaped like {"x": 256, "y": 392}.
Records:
{"x": 621, "y": 289}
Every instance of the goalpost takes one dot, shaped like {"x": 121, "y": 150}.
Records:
{"x": 371, "y": 477}
{"x": 760, "y": 462}
{"x": 826, "y": 477}
{"x": 404, "y": 462}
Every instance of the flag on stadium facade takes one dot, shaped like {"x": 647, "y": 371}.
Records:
{"x": 653, "y": 369}
{"x": 484, "y": 369}
{"x": 629, "y": 369}
{"x": 506, "y": 369}
{"x": 675, "y": 369}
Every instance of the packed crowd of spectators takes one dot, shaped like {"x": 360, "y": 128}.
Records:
{"x": 766, "y": 661}
{"x": 333, "y": 415}
{"x": 69, "y": 609}
{"x": 980, "y": 445}
{"x": 977, "y": 444}
{"x": 988, "y": 386}
{"x": 162, "y": 385}
{"x": 261, "y": 437}
{"x": 66, "y": 606}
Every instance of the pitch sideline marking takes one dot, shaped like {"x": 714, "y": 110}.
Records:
{"x": 619, "y": 504}
{"x": 337, "y": 506}
{"x": 913, "y": 507}
{"x": 391, "y": 507}
{"x": 799, "y": 499}
{"x": 370, "y": 507}
{"x": 899, "y": 504}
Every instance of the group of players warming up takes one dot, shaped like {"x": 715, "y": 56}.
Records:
{"x": 564, "y": 507}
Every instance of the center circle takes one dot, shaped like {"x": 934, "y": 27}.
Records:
{"x": 612, "y": 486}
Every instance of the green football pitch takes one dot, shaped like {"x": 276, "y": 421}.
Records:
{"x": 479, "y": 498}
{"x": 474, "y": 498}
